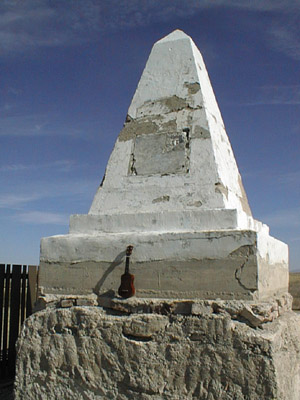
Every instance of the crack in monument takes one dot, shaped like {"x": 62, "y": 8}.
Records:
{"x": 132, "y": 167}
{"x": 238, "y": 276}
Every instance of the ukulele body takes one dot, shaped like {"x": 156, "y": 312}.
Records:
{"x": 127, "y": 288}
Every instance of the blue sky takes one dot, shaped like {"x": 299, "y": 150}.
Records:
{"x": 68, "y": 71}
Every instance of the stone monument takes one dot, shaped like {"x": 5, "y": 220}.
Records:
{"x": 172, "y": 189}
{"x": 211, "y": 318}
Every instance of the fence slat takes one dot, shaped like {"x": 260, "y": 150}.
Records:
{"x": 6, "y": 319}
{"x": 23, "y": 293}
{"x": 18, "y": 293}
{"x": 14, "y": 316}
{"x": 2, "y": 275}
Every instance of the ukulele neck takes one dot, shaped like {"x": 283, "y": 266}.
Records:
{"x": 127, "y": 265}
{"x": 128, "y": 254}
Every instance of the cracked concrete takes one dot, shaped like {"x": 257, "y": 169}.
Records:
{"x": 239, "y": 272}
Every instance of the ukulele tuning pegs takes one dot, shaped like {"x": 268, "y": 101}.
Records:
{"x": 129, "y": 250}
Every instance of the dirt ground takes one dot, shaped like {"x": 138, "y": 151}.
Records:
{"x": 295, "y": 289}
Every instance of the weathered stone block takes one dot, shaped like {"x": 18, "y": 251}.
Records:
{"x": 86, "y": 353}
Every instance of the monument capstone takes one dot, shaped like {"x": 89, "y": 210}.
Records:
{"x": 172, "y": 189}
{"x": 211, "y": 317}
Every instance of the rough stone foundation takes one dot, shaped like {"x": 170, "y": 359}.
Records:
{"x": 177, "y": 350}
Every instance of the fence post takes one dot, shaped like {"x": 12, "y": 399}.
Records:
{"x": 18, "y": 294}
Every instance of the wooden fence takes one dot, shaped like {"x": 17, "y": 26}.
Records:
{"x": 18, "y": 291}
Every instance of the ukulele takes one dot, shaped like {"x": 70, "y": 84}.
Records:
{"x": 126, "y": 288}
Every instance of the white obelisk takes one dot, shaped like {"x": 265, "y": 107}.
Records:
{"x": 172, "y": 189}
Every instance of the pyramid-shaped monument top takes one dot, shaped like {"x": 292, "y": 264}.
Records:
{"x": 173, "y": 153}
{"x": 172, "y": 189}
{"x": 175, "y": 35}
{"x": 175, "y": 68}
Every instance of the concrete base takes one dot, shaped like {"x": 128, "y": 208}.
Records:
{"x": 228, "y": 264}
{"x": 212, "y": 352}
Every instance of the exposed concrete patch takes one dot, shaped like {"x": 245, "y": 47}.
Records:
{"x": 240, "y": 275}
{"x": 196, "y": 203}
{"x": 161, "y": 199}
{"x": 162, "y": 153}
{"x": 243, "y": 251}
{"x": 170, "y": 126}
{"x": 137, "y": 127}
{"x": 193, "y": 88}
{"x": 200, "y": 132}
{"x": 174, "y": 103}
{"x": 220, "y": 188}
{"x": 166, "y": 105}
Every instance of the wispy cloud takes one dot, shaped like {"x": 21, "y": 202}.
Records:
{"x": 284, "y": 36}
{"x": 280, "y": 94}
{"x": 35, "y": 23}
{"x": 290, "y": 178}
{"x": 42, "y": 217}
{"x": 12, "y": 201}
{"x": 37, "y": 191}
{"x": 284, "y": 218}
{"x": 6, "y": 107}
{"x": 60, "y": 165}
{"x": 40, "y": 23}
{"x": 22, "y": 125}
{"x": 14, "y": 122}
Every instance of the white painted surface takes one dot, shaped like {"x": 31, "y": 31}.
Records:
{"x": 171, "y": 221}
{"x": 174, "y": 66}
{"x": 148, "y": 246}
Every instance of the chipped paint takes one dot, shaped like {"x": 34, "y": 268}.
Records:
{"x": 175, "y": 103}
{"x": 161, "y": 199}
{"x": 169, "y": 125}
{"x": 200, "y": 132}
{"x": 137, "y": 127}
{"x": 220, "y": 188}
{"x": 162, "y": 153}
{"x": 196, "y": 203}
{"x": 193, "y": 88}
